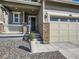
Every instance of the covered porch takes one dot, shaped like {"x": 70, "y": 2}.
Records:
{"x": 17, "y": 18}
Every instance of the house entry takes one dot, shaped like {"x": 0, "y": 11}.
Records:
{"x": 32, "y": 23}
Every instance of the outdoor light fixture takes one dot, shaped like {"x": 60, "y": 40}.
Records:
{"x": 46, "y": 15}
{"x": 70, "y": 14}
{"x": 16, "y": 8}
{"x": 32, "y": 10}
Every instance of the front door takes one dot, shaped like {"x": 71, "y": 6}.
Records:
{"x": 33, "y": 27}
{"x": 32, "y": 22}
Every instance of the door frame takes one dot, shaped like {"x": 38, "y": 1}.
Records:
{"x": 29, "y": 21}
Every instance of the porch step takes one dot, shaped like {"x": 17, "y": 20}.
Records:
{"x": 38, "y": 38}
{"x": 11, "y": 35}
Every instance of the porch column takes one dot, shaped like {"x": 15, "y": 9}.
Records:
{"x": 1, "y": 15}
{"x": 24, "y": 26}
{"x": 1, "y": 20}
{"x": 6, "y": 17}
{"x": 23, "y": 16}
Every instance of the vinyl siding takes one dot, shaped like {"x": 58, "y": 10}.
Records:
{"x": 62, "y": 7}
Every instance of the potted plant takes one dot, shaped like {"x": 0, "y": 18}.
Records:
{"x": 32, "y": 41}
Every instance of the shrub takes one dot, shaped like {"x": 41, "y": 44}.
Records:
{"x": 31, "y": 36}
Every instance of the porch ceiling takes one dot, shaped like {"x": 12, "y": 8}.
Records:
{"x": 21, "y": 7}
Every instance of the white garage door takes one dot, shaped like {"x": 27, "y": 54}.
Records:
{"x": 64, "y": 29}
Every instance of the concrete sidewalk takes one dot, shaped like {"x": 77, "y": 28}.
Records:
{"x": 68, "y": 49}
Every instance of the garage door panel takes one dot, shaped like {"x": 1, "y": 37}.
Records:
{"x": 71, "y": 32}
{"x": 54, "y": 32}
{"x": 64, "y": 38}
{"x": 78, "y": 31}
{"x": 78, "y": 28}
{"x": 54, "y": 35}
{"x": 54, "y": 26}
{"x": 63, "y": 32}
{"x": 54, "y": 39}
{"x": 71, "y": 38}
{"x": 78, "y": 36}
{"x": 63, "y": 26}
{"x": 72, "y": 26}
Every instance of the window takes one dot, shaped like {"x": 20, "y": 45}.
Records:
{"x": 77, "y": 19}
{"x": 72, "y": 20}
{"x": 53, "y": 19}
{"x": 16, "y": 17}
{"x": 64, "y": 19}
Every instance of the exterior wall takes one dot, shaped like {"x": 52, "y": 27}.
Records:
{"x": 43, "y": 28}
{"x": 56, "y": 10}
{"x": 14, "y": 27}
{"x": 61, "y": 7}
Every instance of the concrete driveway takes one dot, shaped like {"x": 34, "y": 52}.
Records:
{"x": 69, "y": 49}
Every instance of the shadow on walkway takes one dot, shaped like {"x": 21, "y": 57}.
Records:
{"x": 25, "y": 48}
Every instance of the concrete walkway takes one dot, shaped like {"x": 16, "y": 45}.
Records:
{"x": 68, "y": 49}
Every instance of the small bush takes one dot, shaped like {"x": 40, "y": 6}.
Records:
{"x": 31, "y": 36}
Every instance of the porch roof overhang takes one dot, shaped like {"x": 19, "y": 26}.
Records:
{"x": 11, "y": 6}
{"x": 25, "y": 2}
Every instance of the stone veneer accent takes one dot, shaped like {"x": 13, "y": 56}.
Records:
{"x": 45, "y": 32}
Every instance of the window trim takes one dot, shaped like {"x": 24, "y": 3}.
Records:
{"x": 18, "y": 17}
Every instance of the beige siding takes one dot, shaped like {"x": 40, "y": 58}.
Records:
{"x": 61, "y": 8}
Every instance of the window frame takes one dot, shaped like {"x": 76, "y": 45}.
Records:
{"x": 18, "y": 13}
